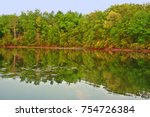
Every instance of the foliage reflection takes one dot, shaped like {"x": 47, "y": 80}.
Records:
{"x": 122, "y": 73}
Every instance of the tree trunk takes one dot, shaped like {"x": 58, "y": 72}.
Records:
{"x": 14, "y": 32}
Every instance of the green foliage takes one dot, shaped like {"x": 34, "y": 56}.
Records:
{"x": 139, "y": 27}
{"x": 120, "y": 26}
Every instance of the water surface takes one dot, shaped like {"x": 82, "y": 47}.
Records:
{"x": 73, "y": 74}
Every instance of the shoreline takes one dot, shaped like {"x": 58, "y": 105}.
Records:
{"x": 79, "y": 48}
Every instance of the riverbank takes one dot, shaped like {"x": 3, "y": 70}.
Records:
{"x": 79, "y": 48}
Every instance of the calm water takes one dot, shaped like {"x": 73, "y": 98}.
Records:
{"x": 73, "y": 74}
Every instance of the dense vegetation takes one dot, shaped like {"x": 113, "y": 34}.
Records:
{"x": 123, "y": 73}
{"x": 120, "y": 26}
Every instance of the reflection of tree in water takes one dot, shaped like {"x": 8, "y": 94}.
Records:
{"x": 121, "y": 73}
{"x": 52, "y": 74}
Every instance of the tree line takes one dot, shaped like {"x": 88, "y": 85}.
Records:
{"x": 119, "y": 26}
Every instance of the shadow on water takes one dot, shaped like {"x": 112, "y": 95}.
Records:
{"x": 117, "y": 72}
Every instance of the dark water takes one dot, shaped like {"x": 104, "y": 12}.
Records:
{"x": 73, "y": 74}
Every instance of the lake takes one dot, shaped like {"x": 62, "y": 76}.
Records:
{"x": 50, "y": 74}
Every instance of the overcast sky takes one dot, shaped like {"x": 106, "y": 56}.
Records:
{"x": 82, "y": 6}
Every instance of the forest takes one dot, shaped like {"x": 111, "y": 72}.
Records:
{"x": 119, "y": 26}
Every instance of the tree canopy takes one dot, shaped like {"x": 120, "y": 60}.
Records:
{"x": 120, "y": 26}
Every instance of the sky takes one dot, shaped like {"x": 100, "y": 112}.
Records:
{"x": 81, "y": 6}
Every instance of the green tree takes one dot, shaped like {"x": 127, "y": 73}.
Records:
{"x": 139, "y": 27}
